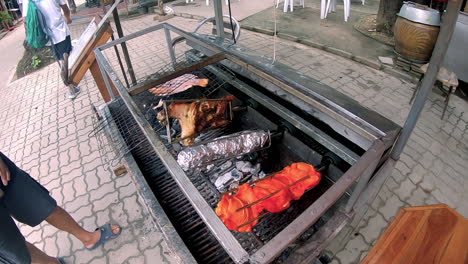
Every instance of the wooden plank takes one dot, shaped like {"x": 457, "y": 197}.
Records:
{"x": 87, "y": 58}
{"x": 424, "y": 234}
{"x": 141, "y": 87}
{"x": 97, "y": 76}
{"x": 84, "y": 42}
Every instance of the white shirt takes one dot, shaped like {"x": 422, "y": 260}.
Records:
{"x": 55, "y": 22}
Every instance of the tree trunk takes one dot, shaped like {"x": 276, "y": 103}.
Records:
{"x": 386, "y": 16}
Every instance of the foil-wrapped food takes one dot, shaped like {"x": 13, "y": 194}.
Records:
{"x": 222, "y": 148}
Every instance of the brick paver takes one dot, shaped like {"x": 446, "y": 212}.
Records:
{"x": 47, "y": 135}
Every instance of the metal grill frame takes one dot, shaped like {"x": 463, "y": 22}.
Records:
{"x": 362, "y": 168}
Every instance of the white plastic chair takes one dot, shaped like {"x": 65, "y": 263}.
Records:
{"x": 331, "y": 7}
{"x": 290, "y": 3}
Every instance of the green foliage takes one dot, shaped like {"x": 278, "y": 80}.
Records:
{"x": 36, "y": 62}
{"x": 5, "y": 17}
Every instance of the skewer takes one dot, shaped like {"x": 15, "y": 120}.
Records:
{"x": 253, "y": 220}
{"x": 320, "y": 168}
{"x": 271, "y": 194}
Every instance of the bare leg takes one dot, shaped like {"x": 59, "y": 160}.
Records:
{"x": 63, "y": 221}
{"x": 39, "y": 257}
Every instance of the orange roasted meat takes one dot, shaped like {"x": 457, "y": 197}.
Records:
{"x": 233, "y": 218}
{"x": 300, "y": 176}
{"x": 240, "y": 212}
{"x": 279, "y": 201}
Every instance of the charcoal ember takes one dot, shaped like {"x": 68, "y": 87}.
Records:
{"x": 226, "y": 165}
{"x": 236, "y": 174}
{"x": 261, "y": 175}
{"x": 256, "y": 170}
{"x": 244, "y": 166}
{"x": 210, "y": 167}
{"x": 234, "y": 185}
{"x": 223, "y": 181}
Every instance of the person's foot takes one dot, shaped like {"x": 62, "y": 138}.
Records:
{"x": 96, "y": 236}
{"x": 72, "y": 94}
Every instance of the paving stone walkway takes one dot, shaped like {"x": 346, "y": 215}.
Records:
{"x": 48, "y": 136}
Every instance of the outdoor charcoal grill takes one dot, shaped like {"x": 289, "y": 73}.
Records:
{"x": 309, "y": 122}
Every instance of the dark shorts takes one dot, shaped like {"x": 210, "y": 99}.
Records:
{"x": 28, "y": 202}
{"x": 62, "y": 47}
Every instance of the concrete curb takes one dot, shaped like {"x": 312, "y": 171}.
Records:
{"x": 186, "y": 15}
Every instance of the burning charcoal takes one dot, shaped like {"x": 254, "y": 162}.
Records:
{"x": 256, "y": 169}
{"x": 209, "y": 167}
{"x": 225, "y": 165}
{"x": 261, "y": 175}
{"x": 224, "y": 180}
{"x": 250, "y": 156}
{"x": 244, "y": 166}
{"x": 234, "y": 185}
{"x": 236, "y": 174}
{"x": 214, "y": 177}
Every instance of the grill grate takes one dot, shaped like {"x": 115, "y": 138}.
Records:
{"x": 185, "y": 219}
{"x": 189, "y": 225}
{"x": 196, "y": 235}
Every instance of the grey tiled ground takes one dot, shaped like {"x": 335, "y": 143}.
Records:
{"x": 48, "y": 136}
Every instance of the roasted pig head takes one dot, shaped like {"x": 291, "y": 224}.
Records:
{"x": 197, "y": 116}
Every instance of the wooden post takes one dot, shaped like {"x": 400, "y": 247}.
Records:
{"x": 99, "y": 79}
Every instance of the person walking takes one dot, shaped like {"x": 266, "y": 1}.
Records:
{"x": 24, "y": 199}
{"x": 56, "y": 27}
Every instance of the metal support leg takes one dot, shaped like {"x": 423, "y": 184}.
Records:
{"x": 118, "y": 26}
{"x": 218, "y": 8}
{"x": 117, "y": 53}
{"x": 170, "y": 47}
{"x": 363, "y": 181}
{"x": 447, "y": 99}
{"x": 416, "y": 89}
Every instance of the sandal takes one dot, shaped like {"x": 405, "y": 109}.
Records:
{"x": 106, "y": 235}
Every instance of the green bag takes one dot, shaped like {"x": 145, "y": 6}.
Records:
{"x": 36, "y": 34}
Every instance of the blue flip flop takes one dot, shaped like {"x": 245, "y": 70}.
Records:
{"x": 106, "y": 235}
{"x": 61, "y": 260}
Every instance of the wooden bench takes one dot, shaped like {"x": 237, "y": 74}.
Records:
{"x": 433, "y": 234}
